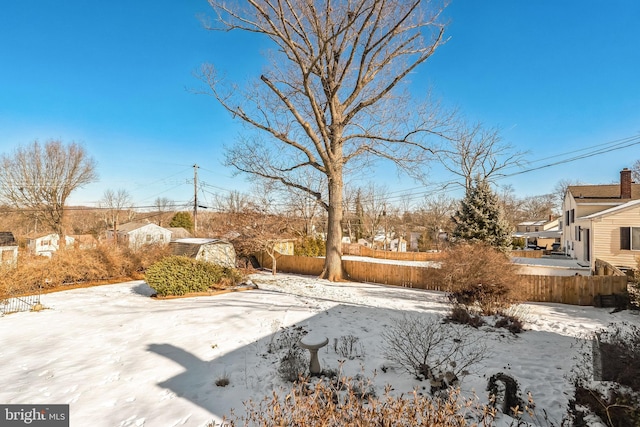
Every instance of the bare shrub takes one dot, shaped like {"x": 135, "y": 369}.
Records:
{"x": 349, "y": 347}
{"x": 77, "y": 266}
{"x": 479, "y": 276}
{"x": 429, "y": 349}
{"x": 223, "y": 381}
{"x": 332, "y": 404}
{"x": 293, "y": 365}
{"x": 619, "y": 346}
{"x": 293, "y": 362}
{"x": 460, "y": 314}
{"x": 612, "y": 357}
{"x": 509, "y": 322}
{"x": 613, "y": 405}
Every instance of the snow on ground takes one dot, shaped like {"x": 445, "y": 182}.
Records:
{"x": 120, "y": 358}
{"x": 434, "y": 264}
{"x": 550, "y": 262}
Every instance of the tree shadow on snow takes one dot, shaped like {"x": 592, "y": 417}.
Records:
{"x": 251, "y": 367}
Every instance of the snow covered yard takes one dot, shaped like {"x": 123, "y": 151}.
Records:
{"x": 120, "y": 358}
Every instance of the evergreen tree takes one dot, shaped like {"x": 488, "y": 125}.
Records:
{"x": 182, "y": 219}
{"x": 480, "y": 218}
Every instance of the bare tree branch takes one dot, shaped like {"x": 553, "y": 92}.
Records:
{"x": 478, "y": 152}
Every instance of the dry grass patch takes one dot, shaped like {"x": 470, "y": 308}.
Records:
{"x": 73, "y": 268}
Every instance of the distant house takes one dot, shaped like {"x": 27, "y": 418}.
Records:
{"x": 8, "y": 248}
{"x": 179, "y": 233}
{"x": 364, "y": 242}
{"x": 46, "y": 244}
{"x": 139, "y": 234}
{"x": 398, "y": 245}
{"x": 284, "y": 246}
{"x": 603, "y": 222}
{"x": 542, "y": 233}
{"x": 214, "y": 251}
{"x": 538, "y": 225}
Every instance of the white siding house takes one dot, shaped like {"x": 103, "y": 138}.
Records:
{"x": 47, "y": 244}
{"x": 138, "y": 234}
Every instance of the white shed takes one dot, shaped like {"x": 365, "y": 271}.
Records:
{"x": 215, "y": 251}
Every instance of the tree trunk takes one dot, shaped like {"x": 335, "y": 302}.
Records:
{"x": 273, "y": 262}
{"x": 333, "y": 270}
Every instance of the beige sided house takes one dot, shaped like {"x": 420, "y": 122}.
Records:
{"x": 603, "y": 222}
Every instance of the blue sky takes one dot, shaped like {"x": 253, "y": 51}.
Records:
{"x": 118, "y": 77}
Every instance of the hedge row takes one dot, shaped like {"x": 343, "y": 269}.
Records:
{"x": 178, "y": 275}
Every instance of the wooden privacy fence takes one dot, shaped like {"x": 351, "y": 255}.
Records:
{"x": 526, "y": 254}
{"x": 575, "y": 290}
{"x": 360, "y": 250}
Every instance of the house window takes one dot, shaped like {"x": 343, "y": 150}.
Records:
{"x": 537, "y": 229}
{"x": 630, "y": 238}
{"x": 573, "y": 216}
{"x": 566, "y": 218}
{"x": 578, "y": 233}
{"x": 527, "y": 229}
{"x": 148, "y": 237}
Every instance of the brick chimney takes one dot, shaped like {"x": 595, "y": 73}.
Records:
{"x": 625, "y": 183}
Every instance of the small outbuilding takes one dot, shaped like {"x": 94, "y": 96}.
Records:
{"x": 8, "y": 248}
{"x": 138, "y": 234}
{"x": 215, "y": 251}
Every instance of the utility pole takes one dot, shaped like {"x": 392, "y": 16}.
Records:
{"x": 195, "y": 199}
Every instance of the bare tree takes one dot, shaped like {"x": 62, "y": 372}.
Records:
{"x": 374, "y": 200}
{"x": 635, "y": 171}
{"x": 162, "y": 205}
{"x": 476, "y": 151}
{"x": 438, "y": 211}
{"x": 510, "y": 204}
{"x": 232, "y": 203}
{"x": 304, "y": 207}
{"x": 261, "y": 227}
{"x": 331, "y": 100}
{"x": 38, "y": 179}
{"x": 538, "y": 207}
{"x": 560, "y": 190}
{"x": 115, "y": 204}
